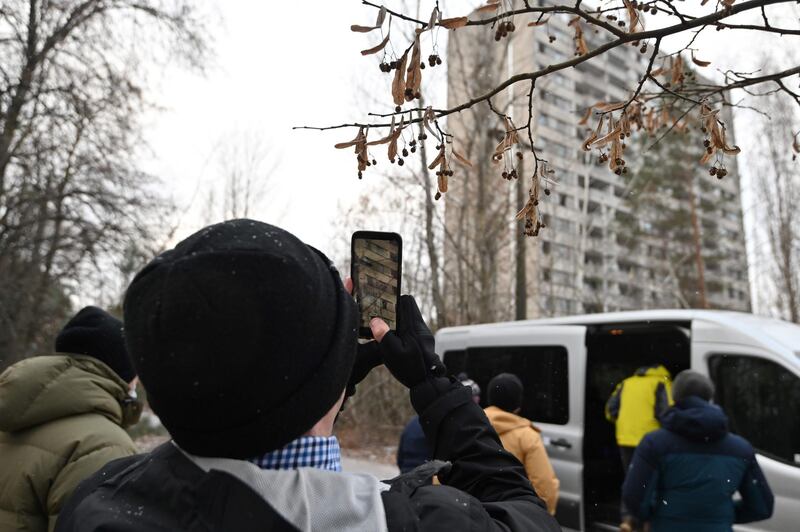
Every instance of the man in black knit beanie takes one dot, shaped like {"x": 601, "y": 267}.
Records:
{"x": 245, "y": 339}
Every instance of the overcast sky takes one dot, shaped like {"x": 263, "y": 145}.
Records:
{"x": 281, "y": 64}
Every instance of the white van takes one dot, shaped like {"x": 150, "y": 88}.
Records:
{"x": 570, "y": 365}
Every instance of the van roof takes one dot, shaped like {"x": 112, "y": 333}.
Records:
{"x": 773, "y": 334}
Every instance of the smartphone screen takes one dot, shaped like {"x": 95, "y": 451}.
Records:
{"x": 376, "y": 269}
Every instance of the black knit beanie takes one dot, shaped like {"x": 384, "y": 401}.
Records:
{"x": 690, "y": 383}
{"x": 243, "y": 337}
{"x": 505, "y": 392}
{"x": 98, "y": 334}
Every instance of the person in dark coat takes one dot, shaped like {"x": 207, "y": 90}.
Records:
{"x": 413, "y": 450}
{"x": 684, "y": 475}
{"x": 245, "y": 340}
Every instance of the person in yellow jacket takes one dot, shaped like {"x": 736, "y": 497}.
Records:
{"x": 636, "y": 407}
{"x": 520, "y": 436}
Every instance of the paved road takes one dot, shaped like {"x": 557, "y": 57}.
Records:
{"x": 359, "y": 465}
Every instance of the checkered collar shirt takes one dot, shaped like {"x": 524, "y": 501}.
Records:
{"x": 307, "y": 451}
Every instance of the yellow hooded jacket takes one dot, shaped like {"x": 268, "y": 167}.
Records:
{"x": 521, "y": 438}
{"x": 638, "y": 402}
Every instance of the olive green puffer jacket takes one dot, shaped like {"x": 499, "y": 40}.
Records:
{"x": 61, "y": 419}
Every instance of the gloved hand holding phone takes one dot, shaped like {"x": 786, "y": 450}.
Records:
{"x": 408, "y": 353}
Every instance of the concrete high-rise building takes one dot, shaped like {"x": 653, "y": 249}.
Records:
{"x": 585, "y": 260}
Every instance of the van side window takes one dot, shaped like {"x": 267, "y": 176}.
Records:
{"x": 542, "y": 369}
{"x": 762, "y": 401}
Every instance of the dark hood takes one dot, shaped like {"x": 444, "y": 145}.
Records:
{"x": 696, "y": 419}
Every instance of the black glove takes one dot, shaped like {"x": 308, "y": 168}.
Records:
{"x": 409, "y": 353}
{"x": 368, "y": 356}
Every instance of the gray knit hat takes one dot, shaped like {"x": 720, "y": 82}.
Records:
{"x": 691, "y": 383}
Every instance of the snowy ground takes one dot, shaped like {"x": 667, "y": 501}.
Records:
{"x": 360, "y": 465}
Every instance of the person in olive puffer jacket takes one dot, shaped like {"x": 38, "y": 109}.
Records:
{"x": 62, "y": 419}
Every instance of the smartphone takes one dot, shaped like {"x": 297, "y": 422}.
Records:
{"x": 376, "y": 269}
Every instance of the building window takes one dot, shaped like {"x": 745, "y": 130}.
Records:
{"x": 562, "y": 278}
{"x": 542, "y": 370}
{"x": 563, "y": 226}
{"x": 762, "y": 401}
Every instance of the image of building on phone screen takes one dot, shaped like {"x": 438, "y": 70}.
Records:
{"x": 378, "y": 275}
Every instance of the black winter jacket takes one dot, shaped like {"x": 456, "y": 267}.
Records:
{"x": 483, "y": 487}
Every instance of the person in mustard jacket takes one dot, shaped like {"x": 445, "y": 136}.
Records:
{"x": 62, "y": 419}
{"x": 636, "y": 407}
{"x": 520, "y": 436}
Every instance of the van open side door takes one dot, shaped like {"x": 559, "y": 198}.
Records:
{"x": 550, "y": 360}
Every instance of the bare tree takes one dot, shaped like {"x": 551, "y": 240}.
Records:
{"x": 72, "y": 198}
{"x": 243, "y": 171}
{"x": 667, "y": 94}
{"x": 668, "y": 214}
{"x": 478, "y": 243}
{"x": 777, "y": 217}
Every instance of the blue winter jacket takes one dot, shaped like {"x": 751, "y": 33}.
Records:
{"x": 684, "y": 475}
{"x": 413, "y": 449}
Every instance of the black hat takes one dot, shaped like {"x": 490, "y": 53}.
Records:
{"x": 690, "y": 383}
{"x": 96, "y": 333}
{"x": 505, "y": 392}
{"x": 243, "y": 337}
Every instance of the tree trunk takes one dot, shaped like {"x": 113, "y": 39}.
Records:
{"x": 698, "y": 245}
{"x": 521, "y": 278}
{"x": 430, "y": 239}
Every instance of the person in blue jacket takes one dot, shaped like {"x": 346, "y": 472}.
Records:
{"x": 684, "y": 475}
